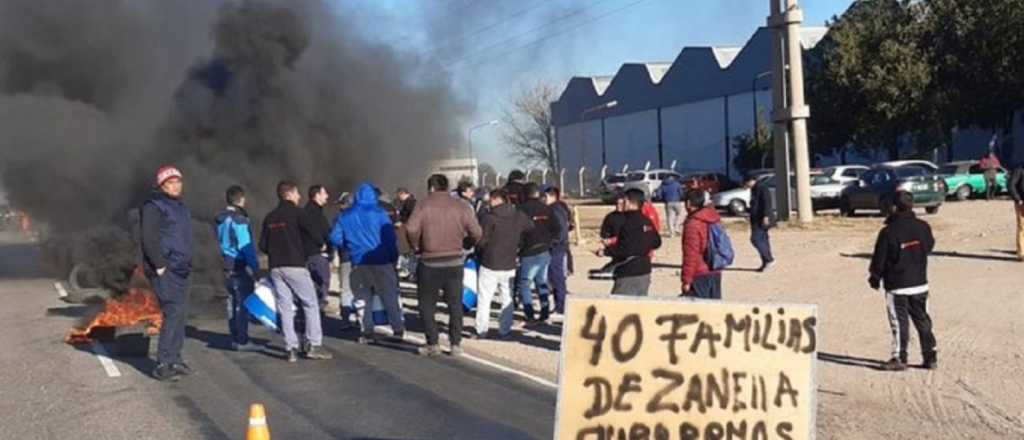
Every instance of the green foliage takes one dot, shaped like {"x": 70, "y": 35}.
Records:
{"x": 754, "y": 150}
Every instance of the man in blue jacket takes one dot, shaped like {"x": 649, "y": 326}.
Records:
{"x": 166, "y": 225}
{"x": 366, "y": 232}
{"x": 671, "y": 192}
{"x": 234, "y": 233}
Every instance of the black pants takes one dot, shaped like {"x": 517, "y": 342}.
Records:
{"x": 172, "y": 292}
{"x": 320, "y": 270}
{"x": 431, "y": 280}
{"x": 759, "y": 238}
{"x": 900, "y": 307}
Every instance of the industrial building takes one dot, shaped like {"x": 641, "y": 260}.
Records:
{"x": 689, "y": 112}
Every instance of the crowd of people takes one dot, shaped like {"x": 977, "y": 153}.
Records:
{"x": 518, "y": 239}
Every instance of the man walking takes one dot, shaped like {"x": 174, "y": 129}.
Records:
{"x": 366, "y": 233}
{"x": 503, "y": 229}
{"x": 166, "y": 225}
{"x": 698, "y": 278}
{"x": 437, "y": 229}
{"x": 281, "y": 240}
{"x": 761, "y": 220}
{"x": 631, "y": 252}
{"x": 671, "y": 192}
{"x": 535, "y": 255}
{"x": 315, "y": 242}
{"x": 990, "y": 165}
{"x": 900, "y": 265}
{"x": 234, "y": 234}
{"x": 561, "y": 257}
{"x": 346, "y": 299}
{"x": 1016, "y": 185}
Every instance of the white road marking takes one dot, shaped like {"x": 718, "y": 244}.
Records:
{"x": 105, "y": 361}
{"x": 496, "y": 366}
{"x": 61, "y": 292}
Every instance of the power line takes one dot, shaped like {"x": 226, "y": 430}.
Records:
{"x": 550, "y": 36}
{"x": 532, "y": 30}
{"x": 517, "y": 14}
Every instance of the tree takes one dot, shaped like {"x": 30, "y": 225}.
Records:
{"x": 754, "y": 150}
{"x": 529, "y": 133}
{"x": 871, "y": 82}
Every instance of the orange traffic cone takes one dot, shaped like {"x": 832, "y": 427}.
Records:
{"x": 258, "y": 429}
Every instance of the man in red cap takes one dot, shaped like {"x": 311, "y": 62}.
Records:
{"x": 167, "y": 261}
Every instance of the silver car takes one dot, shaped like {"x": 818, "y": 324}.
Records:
{"x": 648, "y": 181}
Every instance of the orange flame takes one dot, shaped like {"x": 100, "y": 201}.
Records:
{"x": 139, "y": 305}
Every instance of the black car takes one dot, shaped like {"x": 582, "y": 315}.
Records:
{"x": 876, "y": 187}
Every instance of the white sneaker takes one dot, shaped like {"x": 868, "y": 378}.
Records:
{"x": 246, "y": 347}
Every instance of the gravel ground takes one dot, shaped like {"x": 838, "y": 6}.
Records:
{"x": 976, "y": 303}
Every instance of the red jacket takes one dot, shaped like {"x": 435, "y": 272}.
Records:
{"x": 649, "y": 211}
{"x": 695, "y": 242}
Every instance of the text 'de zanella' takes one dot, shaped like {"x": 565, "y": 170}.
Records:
{"x": 642, "y": 369}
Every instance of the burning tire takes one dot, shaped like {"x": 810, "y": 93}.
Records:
{"x": 77, "y": 293}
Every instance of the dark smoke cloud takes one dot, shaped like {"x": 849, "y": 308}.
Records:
{"x": 95, "y": 96}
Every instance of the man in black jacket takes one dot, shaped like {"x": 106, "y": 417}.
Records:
{"x": 535, "y": 255}
{"x": 503, "y": 229}
{"x": 166, "y": 225}
{"x": 637, "y": 238}
{"x": 761, "y": 214}
{"x": 1016, "y": 185}
{"x": 900, "y": 265}
{"x": 281, "y": 240}
{"x": 315, "y": 242}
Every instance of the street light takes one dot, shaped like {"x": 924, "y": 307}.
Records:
{"x": 469, "y": 134}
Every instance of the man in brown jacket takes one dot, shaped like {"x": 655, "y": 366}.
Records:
{"x": 438, "y": 229}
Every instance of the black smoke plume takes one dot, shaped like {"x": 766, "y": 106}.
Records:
{"x": 95, "y": 96}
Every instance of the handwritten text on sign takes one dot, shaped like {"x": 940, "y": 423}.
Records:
{"x": 637, "y": 369}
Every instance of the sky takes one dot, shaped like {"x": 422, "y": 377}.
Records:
{"x": 493, "y": 48}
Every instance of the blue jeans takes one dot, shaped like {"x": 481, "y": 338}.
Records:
{"x": 533, "y": 271}
{"x": 759, "y": 238}
{"x": 239, "y": 287}
{"x": 707, "y": 286}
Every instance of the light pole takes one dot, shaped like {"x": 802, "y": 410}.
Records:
{"x": 753, "y": 92}
{"x": 583, "y": 134}
{"x": 469, "y": 134}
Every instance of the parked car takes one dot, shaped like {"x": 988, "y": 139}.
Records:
{"x": 912, "y": 163}
{"x": 648, "y": 181}
{"x": 610, "y": 185}
{"x": 966, "y": 178}
{"x": 877, "y": 186}
{"x": 736, "y": 201}
{"x": 844, "y": 174}
{"x": 707, "y": 181}
{"x": 825, "y": 191}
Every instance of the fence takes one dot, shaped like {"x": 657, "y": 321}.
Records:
{"x": 569, "y": 180}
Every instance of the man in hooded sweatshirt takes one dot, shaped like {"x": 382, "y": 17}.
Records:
{"x": 234, "y": 233}
{"x": 365, "y": 231}
{"x": 631, "y": 254}
{"x": 535, "y": 255}
{"x": 503, "y": 229}
{"x": 698, "y": 278}
{"x": 166, "y": 226}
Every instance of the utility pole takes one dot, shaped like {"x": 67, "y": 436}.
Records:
{"x": 790, "y": 115}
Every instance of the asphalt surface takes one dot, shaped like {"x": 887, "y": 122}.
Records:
{"x": 50, "y": 390}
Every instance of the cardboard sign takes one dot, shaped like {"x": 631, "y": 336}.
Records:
{"x": 652, "y": 369}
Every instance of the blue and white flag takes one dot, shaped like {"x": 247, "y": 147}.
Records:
{"x": 380, "y": 315}
{"x": 262, "y": 306}
{"x": 469, "y": 284}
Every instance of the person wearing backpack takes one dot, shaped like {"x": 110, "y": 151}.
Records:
{"x": 701, "y": 279}
{"x": 631, "y": 255}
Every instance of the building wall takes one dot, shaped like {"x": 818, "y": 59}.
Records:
{"x": 632, "y": 139}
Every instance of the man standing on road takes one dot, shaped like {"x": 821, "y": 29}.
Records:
{"x": 437, "y": 229}
{"x": 671, "y": 192}
{"x": 346, "y": 299}
{"x": 761, "y": 216}
{"x": 1016, "y": 186}
{"x": 990, "y": 165}
{"x": 561, "y": 256}
{"x": 900, "y": 265}
{"x": 535, "y": 255}
{"x": 315, "y": 242}
{"x": 503, "y": 229}
{"x": 166, "y": 225}
{"x": 281, "y": 240}
{"x": 366, "y": 233}
{"x": 698, "y": 278}
{"x": 631, "y": 252}
{"x": 405, "y": 203}
{"x": 234, "y": 234}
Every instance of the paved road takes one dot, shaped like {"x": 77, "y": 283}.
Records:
{"x": 51, "y": 390}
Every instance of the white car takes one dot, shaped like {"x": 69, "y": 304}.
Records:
{"x": 844, "y": 174}
{"x": 736, "y": 201}
{"x": 913, "y": 163}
